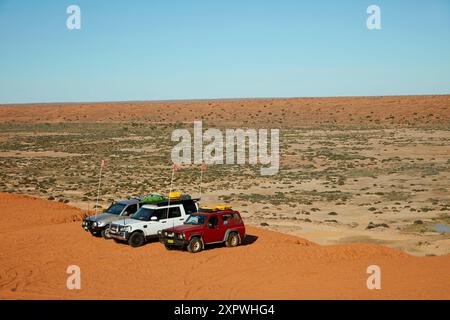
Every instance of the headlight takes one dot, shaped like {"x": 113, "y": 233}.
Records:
{"x": 159, "y": 232}
{"x": 95, "y": 224}
{"x": 180, "y": 236}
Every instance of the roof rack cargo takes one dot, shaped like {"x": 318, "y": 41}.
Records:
{"x": 161, "y": 200}
{"x": 152, "y": 198}
{"x": 177, "y": 195}
{"x": 215, "y": 208}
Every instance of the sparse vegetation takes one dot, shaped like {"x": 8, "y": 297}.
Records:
{"x": 345, "y": 171}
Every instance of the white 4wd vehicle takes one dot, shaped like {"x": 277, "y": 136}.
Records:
{"x": 150, "y": 219}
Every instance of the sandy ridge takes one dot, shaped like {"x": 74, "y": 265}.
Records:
{"x": 270, "y": 265}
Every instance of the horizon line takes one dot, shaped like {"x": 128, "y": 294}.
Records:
{"x": 216, "y": 99}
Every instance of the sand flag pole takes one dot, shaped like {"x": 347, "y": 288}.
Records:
{"x": 203, "y": 167}
{"x": 175, "y": 167}
{"x": 102, "y": 164}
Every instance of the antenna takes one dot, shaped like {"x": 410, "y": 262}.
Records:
{"x": 175, "y": 167}
{"x": 102, "y": 164}
{"x": 203, "y": 167}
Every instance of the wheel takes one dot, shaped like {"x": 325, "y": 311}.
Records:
{"x": 195, "y": 245}
{"x": 105, "y": 234}
{"x": 136, "y": 240}
{"x": 233, "y": 240}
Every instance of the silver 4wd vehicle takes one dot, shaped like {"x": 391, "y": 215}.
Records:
{"x": 122, "y": 209}
{"x": 119, "y": 210}
{"x": 150, "y": 219}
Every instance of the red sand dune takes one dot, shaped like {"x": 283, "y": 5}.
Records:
{"x": 40, "y": 240}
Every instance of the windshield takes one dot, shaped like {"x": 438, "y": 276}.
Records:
{"x": 115, "y": 208}
{"x": 143, "y": 214}
{"x": 196, "y": 219}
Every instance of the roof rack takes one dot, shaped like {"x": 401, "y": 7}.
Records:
{"x": 166, "y": 202}
{"x": 215, "y": 208}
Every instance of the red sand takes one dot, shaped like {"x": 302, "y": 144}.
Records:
{"x": 40, "y": 240}
{"x": 343, "y": 111}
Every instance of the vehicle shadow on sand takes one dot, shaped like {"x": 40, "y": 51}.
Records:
{"x": 248, "y": 240}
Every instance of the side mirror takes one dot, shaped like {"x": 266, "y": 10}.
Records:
{"x": 154, "y": 218}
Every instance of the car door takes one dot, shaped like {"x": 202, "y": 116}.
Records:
{"x": 176, "y": 216}
{"x": 212, "y": 231}
{"x": 161, "y": 223}
{"x": 130, "y": 210}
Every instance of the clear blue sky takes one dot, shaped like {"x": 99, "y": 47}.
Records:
{"x": 201, "y": 49}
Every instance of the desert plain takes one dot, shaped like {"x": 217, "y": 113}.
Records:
{"x": 362, "y": 181}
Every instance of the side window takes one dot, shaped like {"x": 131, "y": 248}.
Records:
{"x": 236, "y": 218}
{"x": 214, "y": 221}
{"x": 131, "y": 209}
{"x": 174, "y": 212}
{"x": 226, "y": 218}
{"x": 190, "y": 207}
{"x": 161, "y": 213}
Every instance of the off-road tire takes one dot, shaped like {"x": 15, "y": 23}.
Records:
{"x": 136, "y": 239}
{"x": 104, "y": 235}
{"x": 195, "y": 245}
{"x": 232, "y": 240}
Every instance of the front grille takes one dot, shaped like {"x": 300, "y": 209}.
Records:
{"x": 118, "y": 228}
{"x": 173, "y": 235}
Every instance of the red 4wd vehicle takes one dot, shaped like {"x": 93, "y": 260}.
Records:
{"x": 209, "y": 225}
